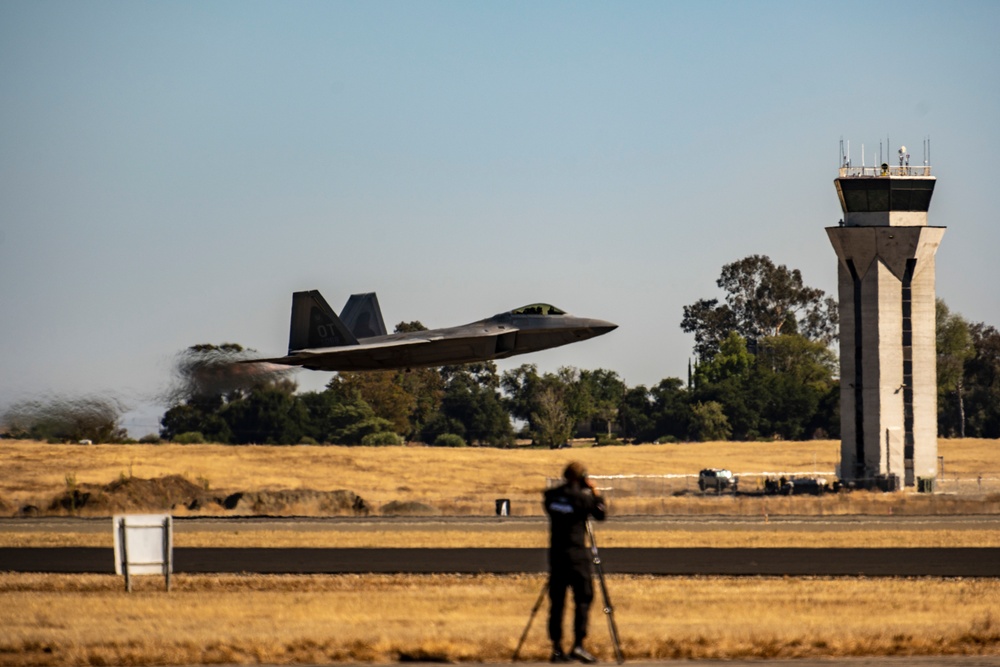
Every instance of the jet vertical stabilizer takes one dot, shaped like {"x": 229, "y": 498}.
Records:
{"x": 362, "y": 316}
{"x": 315, "y": 325}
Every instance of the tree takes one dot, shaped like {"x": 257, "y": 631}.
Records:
{"x": 709, "y": 422}
{"x": 249, "y": 403}
{"x": 343, "y": 419}
{"x": 67, "y": 419}
{"x": 761, "y": 300}
{"x": 408, "y": 327}
{"x": 408, "y": 399}
{"x": 732, "y": 361}
{"x": 606, "y": 391}
{"x": 788, "y": 408}
{"x": 636, "y": 415}
{"x": 553, "y": 423}
{"x": 519, "y": 386}
{"x": 954, "y": 349}
{"x": 742, "y": 403}
{"x": 208, "y": 370}
{"x": 777, "y": 392}
{"x": 576, "y": 393}
{"x": 710, "y": 323}
{"x": 425, "y": 386}
{"x": 982, "y": 383}
{"x": 270, "y": 414}
{"x": 198, "y": 414}
{"x": 384, "y": 393}
{"x": 548, "y": 402}
{"x": 471, "y": 407}
{"x": 207, "y": 378}
{"x": 671, "y": 409}
{"x": 763, "y": 353}
{"x": 647, "y": 415}
{"x": 797, "y": 376}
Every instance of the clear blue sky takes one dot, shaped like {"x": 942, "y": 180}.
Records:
{"x": 171, "y": 172}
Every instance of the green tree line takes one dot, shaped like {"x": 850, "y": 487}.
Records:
{"x": 764, "y": 370}
{"x": 763, "y": 367}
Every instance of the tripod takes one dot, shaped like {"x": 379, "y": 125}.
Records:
{"x": 534, "y": 610}
{"x": 608, "y": 609}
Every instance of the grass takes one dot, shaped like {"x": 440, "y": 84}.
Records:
{"x": 467, "y": 480}
{"x": 609, "y": 535}
{"x": 88, "y": 620}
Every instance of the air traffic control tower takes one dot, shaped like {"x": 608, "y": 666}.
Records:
{"x": 888, "y": 385}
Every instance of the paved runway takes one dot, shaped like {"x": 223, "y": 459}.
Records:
{"x": 942, "y": 562}
{"x": 957, "y": 562}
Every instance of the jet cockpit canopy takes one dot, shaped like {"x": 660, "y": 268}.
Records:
{"x": 538, "y": 309}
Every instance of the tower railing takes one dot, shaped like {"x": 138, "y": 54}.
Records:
{"x": 889, "y": 170}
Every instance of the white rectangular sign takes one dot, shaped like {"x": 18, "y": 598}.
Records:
{"x": 143, "y": 544}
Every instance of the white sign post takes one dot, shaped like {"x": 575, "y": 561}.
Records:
{"x": 144, "y": 544}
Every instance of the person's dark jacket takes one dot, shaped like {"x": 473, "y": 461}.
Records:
{"x": 569, "y": 506}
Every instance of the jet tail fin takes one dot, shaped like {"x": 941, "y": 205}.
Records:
{"x": 362, "y": 316}
{"x": 314, "y": 324}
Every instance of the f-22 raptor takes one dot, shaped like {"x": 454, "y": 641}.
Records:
{"x": 357, "y": 340}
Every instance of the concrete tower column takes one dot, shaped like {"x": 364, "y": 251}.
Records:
{"x": 888, "y": 361}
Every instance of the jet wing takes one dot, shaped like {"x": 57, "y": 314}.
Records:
{"x": 436, "y": 348}
{"x": 301, "y": 356}
{"x": 423, "y": 340}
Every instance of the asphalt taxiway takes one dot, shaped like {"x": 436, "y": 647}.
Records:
{"x": 797, "y": 561}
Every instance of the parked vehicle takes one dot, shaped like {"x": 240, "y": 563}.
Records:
{"x": 717, "y": 479}
{"x": 796, "y": 486}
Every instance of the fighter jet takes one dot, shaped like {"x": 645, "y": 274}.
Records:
{"x": 357, "y": 340}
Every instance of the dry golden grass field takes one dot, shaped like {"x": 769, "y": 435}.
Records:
{"x": 462, "y": 480}
{"x": 468, "y": 480}
{"x": 90, "y": 620}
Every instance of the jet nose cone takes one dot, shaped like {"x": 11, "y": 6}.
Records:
{"x": 601, "y": 327}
